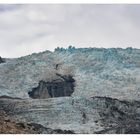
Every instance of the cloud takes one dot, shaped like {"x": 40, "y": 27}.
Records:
{"x": 25, "y": 29}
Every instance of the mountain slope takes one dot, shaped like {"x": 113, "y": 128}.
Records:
{"x": 105, "y": 72}
{"x": 89, "y": 90}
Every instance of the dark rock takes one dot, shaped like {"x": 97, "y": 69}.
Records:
{"x": 59, "y": 131}
{"x": 2, "y": 60}
{"x": 41, "y": 129}
{"x": 22, "y": 125}
{"x": 64, "y": 86}
{"x": 127, "y": 127}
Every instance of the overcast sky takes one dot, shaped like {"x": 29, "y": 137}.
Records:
{"x": 25, "y": 29}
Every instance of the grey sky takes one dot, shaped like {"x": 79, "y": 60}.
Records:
{"x": 25, "y": 29}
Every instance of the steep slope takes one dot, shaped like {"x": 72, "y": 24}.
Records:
{"x": 105, "y": 72}
{"x": 89, "y": 90}
{"x": 108, "y": 72}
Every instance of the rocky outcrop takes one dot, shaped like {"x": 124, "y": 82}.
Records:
{"x": 2, "y": 60}
{"x": 64, "y": 86}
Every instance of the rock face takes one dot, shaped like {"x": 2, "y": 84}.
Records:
{"x": 85, "y": 90}
{"x": 55, "y": 88}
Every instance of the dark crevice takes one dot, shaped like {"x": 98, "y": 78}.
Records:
{"x": 57, "y": 66}
{"x": 84, "y": 117}
{"x": 63, "y": 86}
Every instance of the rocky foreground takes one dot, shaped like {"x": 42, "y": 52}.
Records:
{"x": 71, "y": 91}
{"x": 12, "y": 126}
{"x": 97, "y": 115}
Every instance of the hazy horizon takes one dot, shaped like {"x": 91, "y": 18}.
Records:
{"x": 32, "y": 28}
